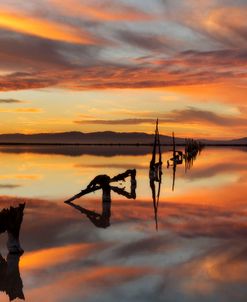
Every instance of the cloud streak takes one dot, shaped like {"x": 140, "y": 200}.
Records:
{"x": 190, "y": 115}
{"x": 105, "y": 11}
{"x": 44, "y": 28}
{"x": 21, "y": 110}
{"x": 10, "y": 101}
{"x": 87, "y": 52}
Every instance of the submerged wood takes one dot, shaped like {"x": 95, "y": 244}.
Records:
{"x": 99, "y": 220}
{"x": 102, "y": 182}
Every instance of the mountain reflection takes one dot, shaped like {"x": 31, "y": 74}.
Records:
{"x": 102, "y": 182}
{"x": 10, "y": 279}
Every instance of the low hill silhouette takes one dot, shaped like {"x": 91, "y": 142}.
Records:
{"x": 106, "y": 137}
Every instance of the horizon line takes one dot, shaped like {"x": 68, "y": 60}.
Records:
{"x": 131, "y": 132}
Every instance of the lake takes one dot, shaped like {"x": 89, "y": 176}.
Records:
{"x": 193, "y": 249}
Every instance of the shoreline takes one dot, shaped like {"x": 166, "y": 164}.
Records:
{"x": 114, "y": 144}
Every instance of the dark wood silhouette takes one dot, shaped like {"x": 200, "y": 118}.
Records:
{"x": 10, "y": 222}
{"x": 155, "y": 173}
{"x": 102, "y": 182}
{"x": 192, "y": 149}
{"x": 10, "y": 279}
{"x": 177, "y": 159}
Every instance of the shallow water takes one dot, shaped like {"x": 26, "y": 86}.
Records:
{"x": 199, "y": 251}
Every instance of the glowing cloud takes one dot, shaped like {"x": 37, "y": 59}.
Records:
{"x": 44, "y": 28}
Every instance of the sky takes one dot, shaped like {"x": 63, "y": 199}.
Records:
{"x": 98, "y": 65}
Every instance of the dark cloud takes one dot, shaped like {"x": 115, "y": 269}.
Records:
{"x": 226, "y": 57}
{"x": 9, "y": 186}
{"x": 113, "y": 165}
{"x": 40, "y": 63}
{"x": 116, "y": 122}
{"x": 194, "y": 115}
{"x": 190, "y": 115}
{"x": 22, "y": 80}
{"x": 10, "y": 101}
{"x": 144, "y": 41}
{"x": 25, "y": 52}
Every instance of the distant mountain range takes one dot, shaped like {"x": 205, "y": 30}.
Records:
{"x": 106, "y": 137}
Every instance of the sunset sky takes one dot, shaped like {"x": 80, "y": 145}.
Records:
{"x": 96, "y": 65}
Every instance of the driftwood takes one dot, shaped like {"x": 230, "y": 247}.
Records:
{"x": 102, "y": 182}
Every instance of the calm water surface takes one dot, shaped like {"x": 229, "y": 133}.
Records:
{"x": 199, "y": 252}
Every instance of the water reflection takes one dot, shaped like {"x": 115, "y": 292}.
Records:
{"x": 199, "y": 252}
{"x": 102, "y": 182}
{"x": 10, "y": 279}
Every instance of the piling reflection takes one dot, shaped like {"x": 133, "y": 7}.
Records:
{"x": 102, "y": 182}
{"x": 10, "y": 279}
{"x": 177, "y": 159}
{"x": 155, "y": 173}
{"x": 192, "y": 150}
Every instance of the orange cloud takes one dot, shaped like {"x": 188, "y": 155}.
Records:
{"x": 44, "y": 28}
{"x": 231, "y": 92}
{"x": 22, "y": 110}
{"x": 197, "y": 68}
{"x": 21, "y": 176}
{"x": 227, "y": 24}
